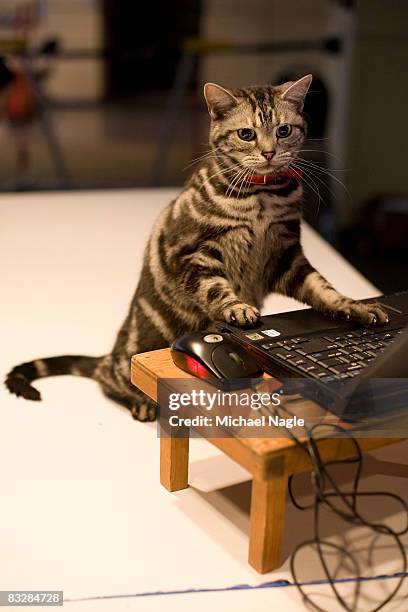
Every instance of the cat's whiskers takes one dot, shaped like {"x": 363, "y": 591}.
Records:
{"x": 230, "y": 186}
{"x": 315, "y": 177}
{"x": 320, "y": 151}
{"x": 207, "y": 155}
{"x": 313, "y": 168}
{"x": 238, "y": 179}
{"x": 319, "y": 165}
{"x": 223, "y": 170}
{"x": 234, "y": 181}
{"x": 309, "y": 182}
{"x": 196, "y": 160}
{"x": 322, "y": 168}
{"x": 242, "y": 182}
{"x": 306, "y": 170}
{"x": 324, "y": 171}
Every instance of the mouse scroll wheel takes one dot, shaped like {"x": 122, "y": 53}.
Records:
{"x": 236, "y": 358}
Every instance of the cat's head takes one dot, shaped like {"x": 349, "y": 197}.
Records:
{"x": 258, "y": 128}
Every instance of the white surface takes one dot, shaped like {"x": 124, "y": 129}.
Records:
{"x": 82, "y": 509}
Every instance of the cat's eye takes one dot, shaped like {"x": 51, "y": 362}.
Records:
{"x": 247, "y": 134}
{"x": 284, "y": 130}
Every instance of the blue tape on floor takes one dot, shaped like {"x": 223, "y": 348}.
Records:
{"x": 240, "y": 587}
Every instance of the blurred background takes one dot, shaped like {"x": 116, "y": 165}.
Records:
{"x": 107, "y": 94}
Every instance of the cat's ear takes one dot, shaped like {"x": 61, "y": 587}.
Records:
{"x": 219, "y": 100}
{"x": 295, "y": 91}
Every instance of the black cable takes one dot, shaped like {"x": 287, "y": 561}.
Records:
{"x": 320, "y": 478}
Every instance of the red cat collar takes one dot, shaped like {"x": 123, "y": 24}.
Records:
{"x": 264, "y": 179}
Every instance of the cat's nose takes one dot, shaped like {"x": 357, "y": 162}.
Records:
{"x": 268, "y": 154}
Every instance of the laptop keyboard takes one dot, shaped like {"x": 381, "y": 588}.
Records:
{"x": 332, "y": 356}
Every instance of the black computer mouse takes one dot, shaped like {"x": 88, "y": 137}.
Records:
{"x": 214, "y": 357}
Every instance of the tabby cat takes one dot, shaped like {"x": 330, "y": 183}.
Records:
{"x": 231, "y": 237}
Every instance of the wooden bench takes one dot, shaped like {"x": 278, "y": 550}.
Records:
{"x": 271, "y": 461}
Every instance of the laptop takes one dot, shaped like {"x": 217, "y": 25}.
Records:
{"x": 319, "y": 357}
{"x": 305, "y": 343}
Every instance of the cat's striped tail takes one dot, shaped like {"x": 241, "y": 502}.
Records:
{"x": 19, "y": 379}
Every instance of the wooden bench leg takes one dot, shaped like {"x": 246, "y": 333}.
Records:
{"x": 267, "y": 523}
{"x": 174, "y": 461}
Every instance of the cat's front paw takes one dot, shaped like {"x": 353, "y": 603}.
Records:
{"x": 366, "y": 314}
{"x": 241, "y": 314}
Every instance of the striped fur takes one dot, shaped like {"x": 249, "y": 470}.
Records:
{"x": 218, "y": 249}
